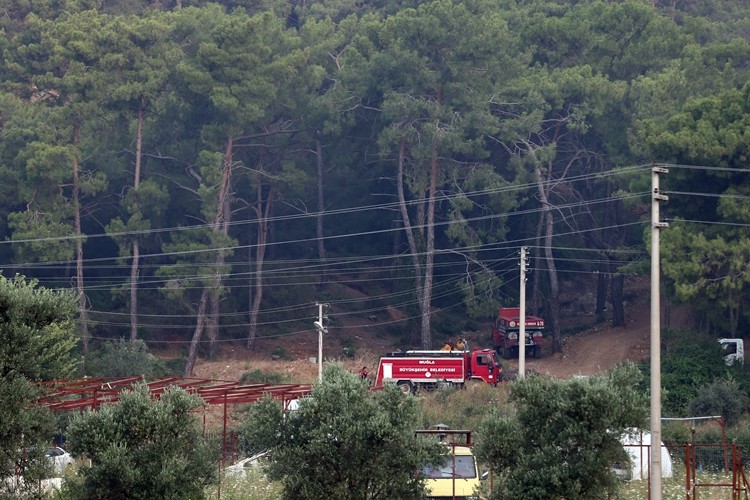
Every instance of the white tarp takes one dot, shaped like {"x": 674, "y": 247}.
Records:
{"x": 636, "y": 444}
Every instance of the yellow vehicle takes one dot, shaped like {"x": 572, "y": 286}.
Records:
{"x": 457, "y": 477}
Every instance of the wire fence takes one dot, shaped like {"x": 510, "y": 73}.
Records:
{"x": 690, "y": 471}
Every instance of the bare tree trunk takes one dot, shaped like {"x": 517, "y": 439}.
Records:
{"x": 537, "y": 297}
{"x": 412, "y": 240}
{"x": 554, "y": 312}
{"x": 734, "y": 314}
{"x": 214, "y": 311}
{"x": 134, "y": 290}
{"x": 618, "y": 306}
{"x": 134, "y": 265}
{"x": 602, "y": 287}
{"x": 199, "y": 325}
{"x": 82, "y": 303}
{"x": 263, "y": 214}
{"x": 215, "y": 284}
{"x": 617, "y": 279}
{"x": 319, "y": 218}
{"x": 212, "y": 322}
{"x": 430, "y": 253}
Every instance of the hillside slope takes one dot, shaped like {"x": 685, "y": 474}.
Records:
{"x": 592, "y": 351}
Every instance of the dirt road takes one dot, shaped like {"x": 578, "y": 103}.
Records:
{"x": 594, "y": 351}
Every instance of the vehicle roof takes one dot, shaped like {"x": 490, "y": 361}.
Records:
{"x": 461, "y": 450}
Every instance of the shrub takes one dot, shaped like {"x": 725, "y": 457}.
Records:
{"x": 740, "y": 434}
{"x": 690, "y": 360}
{"x": 175, "y": 366}
{"x": 142, "y": 448}
{"x": 281, "y": 353}
{"x": 721, "y": 397}
{"x": 123, "y": 358}
{"x": 347, "y": 348}
{"x": 261, "y": 377}
{"x": 321, "y": 449}
{"x": 676, "y": 433}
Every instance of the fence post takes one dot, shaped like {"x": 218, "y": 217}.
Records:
{"x": 735, "y": 482}
{"x": 687, "y": 471}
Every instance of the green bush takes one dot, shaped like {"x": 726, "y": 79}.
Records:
{"x": 740, "y": 434}
{"x": 676, "y": 433}
{"x": 447, "y": 326}
{"x": 347, "y": 348}
{"x": 721, "y": 397}
{"x": 175, "y": 366}
{"x": 690, "y": 360}
{"x": 124, "y": 358}
{"x": 261, "y": 377}
{"x": 142, "y": 447}
{"x": 281, "y": 353}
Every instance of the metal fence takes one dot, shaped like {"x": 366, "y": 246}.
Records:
{"x": 693, "y": 471}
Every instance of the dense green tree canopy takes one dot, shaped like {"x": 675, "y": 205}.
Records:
{"x": 706, "y": 253}
{"x": 142, "y": 448}
{"x": 344, "y": 441}
{"x": 563, "y": 436}
{"x": 37, "y": 338}
{"x": 215, "y": 160}
{"x": 196, "y": 154}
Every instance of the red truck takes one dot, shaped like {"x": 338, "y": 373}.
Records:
{"x": 505, "y": 333}
{"x": 412, "y": 370}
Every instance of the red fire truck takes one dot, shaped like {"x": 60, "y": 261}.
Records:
{"x": 505, "y": 333}
{"x": 412, "y": 370}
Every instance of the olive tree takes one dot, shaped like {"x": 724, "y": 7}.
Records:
{"x": 562, "y": 436}
{"x": 142, "y": 448}
{"x": 344, "y": 441}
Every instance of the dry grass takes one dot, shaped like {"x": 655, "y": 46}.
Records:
{"x": 462, "y": 408}
{"x": 297, "y": 371}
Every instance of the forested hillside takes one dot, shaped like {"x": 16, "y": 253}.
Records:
{"x": 205, "y": 172}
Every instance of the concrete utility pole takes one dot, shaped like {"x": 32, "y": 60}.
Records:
{"x": 522, "y": 315}
{"x": 656, "y": 225}
{"x": 321, "y": 330}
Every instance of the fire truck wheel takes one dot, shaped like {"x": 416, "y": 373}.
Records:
{"x": 537, "y": 352}
{"x": 405, "y": 386}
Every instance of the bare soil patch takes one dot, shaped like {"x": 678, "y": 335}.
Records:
{"x": 596, "y": 350}
{"x": 593, "y": 351}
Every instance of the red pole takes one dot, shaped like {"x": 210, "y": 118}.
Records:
{"x": 688, "y": 467}
{"x": 735, "y": 481}
{"x": 224, "y": 431}
{"x": 724, "y": 441}
{"x": 648, "y": 474}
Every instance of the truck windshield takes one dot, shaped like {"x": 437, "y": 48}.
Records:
{"x": 464, "y": 467}
{"x": 495, "y": 359}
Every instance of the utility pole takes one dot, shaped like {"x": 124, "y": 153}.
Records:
{"x": 656, "y": 226}
{"x": 321, "y": 330}
{"x": 522, "y": 315}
